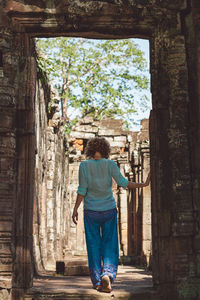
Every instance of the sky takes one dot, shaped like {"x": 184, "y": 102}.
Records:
{"x": 144, "y": 46}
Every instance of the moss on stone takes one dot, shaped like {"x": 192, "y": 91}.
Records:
{"x": 189, "y": 289}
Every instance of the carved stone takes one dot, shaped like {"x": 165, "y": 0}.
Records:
{"x": 172, "y": 28}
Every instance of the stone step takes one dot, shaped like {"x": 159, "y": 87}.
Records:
{"x": 144, "y": 293}
{"x": 76, "y": 270}
{"x": 77, "y": 265}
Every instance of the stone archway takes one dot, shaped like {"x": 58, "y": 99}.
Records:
{"x": 172, "y": 28}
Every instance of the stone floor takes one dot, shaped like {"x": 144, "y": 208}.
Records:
{"x": 130, "y": 283}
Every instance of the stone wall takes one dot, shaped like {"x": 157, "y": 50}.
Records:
{"x": 173, "y": 30}
{"x": 17, "y": 92}
{"x": 51, "y": 207}
{"x": 7, "y": 161}
{"x": 130, "y": 150}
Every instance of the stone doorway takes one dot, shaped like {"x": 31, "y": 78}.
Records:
{"x": 58, "y": 241}
{"x": 134, "y": 220}
{"x": 171, "y": 27}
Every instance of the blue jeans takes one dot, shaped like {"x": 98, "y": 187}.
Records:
{"x": 101, "y": 233}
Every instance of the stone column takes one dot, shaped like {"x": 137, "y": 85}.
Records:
{"x": 146, "y": 210}
{"x": 123, "y": 210}
{"x": 191, "y": 25}
{"x": 25, "y": 151}
{"x": 8, "y": 166}
{"x": 172, "y": 207}
{"x": 144, "y": 195}
{"x": 17, "y": 87}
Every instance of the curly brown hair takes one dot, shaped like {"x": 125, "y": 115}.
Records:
{"x": 97, "y": 144}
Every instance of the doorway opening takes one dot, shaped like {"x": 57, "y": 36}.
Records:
{"x": 56, "y": 239}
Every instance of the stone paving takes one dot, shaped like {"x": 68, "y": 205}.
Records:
{"x": 130, "y": 283}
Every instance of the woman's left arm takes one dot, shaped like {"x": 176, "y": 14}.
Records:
{"x": 79, "y": 199}
{"x": 133, "y": 185}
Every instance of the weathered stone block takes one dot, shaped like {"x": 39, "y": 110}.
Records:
{"x": 6, "y": 226}
{"x": 8, "y": 141}
{"x": 96, "y": 123}
{"x": 5, "y": 283}
{"x": 86, "y": 128}
{"x": 124, "y": 226}
{"x": 120, "y": 138}
{"x": 112, "y": 124}
{"x": 197, "y": 243}
{"x": 82, "y": 135}
{"x": 108, "y": 132}
{"x": 147, "y": 246}
{"x": 6, "y": 120}
{"x": 6, "y": 206}
{"x": 147, "y": 217}
{"x": 4, "y": 295}
{"x": 129, "y": 138}
{"x": 147, "y": 234}
{"x": 117, "y": 144}
{"x": 49, "y": 184}
{"x": 87, "y": 120}
{"x": 5, "y": 267}
{"x": 109, "y": 139}
{"x": 115, "y": 150}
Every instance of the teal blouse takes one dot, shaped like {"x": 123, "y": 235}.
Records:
{"x": 95, "y": 183}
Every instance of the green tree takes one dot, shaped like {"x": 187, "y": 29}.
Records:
{"x": 97, "y": 77}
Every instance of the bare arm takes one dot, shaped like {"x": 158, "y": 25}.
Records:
{"x": 76, "y": 206}
{"x": 134, "y": 185}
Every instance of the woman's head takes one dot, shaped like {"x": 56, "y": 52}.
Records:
{"x": 97, "y": 144}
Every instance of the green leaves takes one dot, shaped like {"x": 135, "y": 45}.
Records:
{"x": 95, "y": 76}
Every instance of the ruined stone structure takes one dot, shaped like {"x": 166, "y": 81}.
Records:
{"x": 172, "y": 28}
{"x": 130, "y": 150}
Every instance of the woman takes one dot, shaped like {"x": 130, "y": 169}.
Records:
{"x": 100, "y": 211}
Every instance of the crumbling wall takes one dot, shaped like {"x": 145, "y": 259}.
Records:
{"x": 51, "y": 216}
